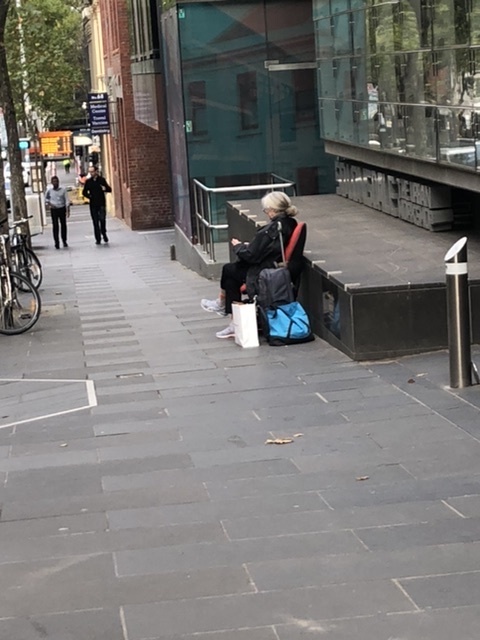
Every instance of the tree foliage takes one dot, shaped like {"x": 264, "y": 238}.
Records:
{"x": 19, "y": 205}
{"x": 45, "y": 59}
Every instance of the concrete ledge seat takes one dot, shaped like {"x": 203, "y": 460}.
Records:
{"x": 373, "y": 285}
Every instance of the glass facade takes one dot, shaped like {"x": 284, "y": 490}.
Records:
{"x": 401, "y": 76}
{"x": 242, "y": 96}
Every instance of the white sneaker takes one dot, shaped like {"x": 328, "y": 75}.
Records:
{"x": 228, "y": 332}
{"x": 213, "y": 306}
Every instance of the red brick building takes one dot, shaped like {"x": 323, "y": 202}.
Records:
{"x": 138, "y": 145}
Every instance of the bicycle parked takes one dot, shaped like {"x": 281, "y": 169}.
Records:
{"x": 24, "y": 261}
{"x": 20, "y": 303}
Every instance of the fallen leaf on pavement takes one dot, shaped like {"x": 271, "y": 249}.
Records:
{"x": 297, "y": 435}
{"x": 361, "y": 478}
{"x": 279, "y": 441}
{"x": 410, "y": 381}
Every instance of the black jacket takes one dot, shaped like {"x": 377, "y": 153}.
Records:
{"x": 94, "y": 192}
{"x": 265, "y": 250}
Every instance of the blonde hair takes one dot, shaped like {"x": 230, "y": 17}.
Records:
{"x": 279, "y": 202}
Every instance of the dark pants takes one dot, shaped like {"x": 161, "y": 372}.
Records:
{"x": 59, "y": 216}
{"x": 233, "y": 276}
{"x": 99, "y": 216}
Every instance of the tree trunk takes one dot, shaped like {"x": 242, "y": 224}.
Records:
{"x": 17, "y": 199}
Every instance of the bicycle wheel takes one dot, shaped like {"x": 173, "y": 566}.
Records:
{"x": 27, "y": 265}
{"x": 22, "y": 311}
{"x": 34, "y": 268}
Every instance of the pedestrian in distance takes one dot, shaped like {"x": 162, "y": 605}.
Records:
{"x": 67, "y": 165}
{"x": 58, "y": 203}
{"x": 94, "y": 190}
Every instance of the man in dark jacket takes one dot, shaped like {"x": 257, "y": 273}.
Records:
{"x": 94, "y": 190}
{"x": 263, "y": 252}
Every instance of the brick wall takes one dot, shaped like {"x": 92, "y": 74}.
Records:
{"x": 140, "y": 167}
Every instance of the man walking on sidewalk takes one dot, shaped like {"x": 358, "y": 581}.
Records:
{"x": 95, "y": 189}
{"x": 58, "y": 203}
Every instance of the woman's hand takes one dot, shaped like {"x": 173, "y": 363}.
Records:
{"x": 234, "y": 242}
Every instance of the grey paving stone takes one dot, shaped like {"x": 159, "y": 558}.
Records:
{"x": 137, "y": 426}
{"x": 48, "y": 483}
{"x": 97, "y": 624}
{"x": 333, "y": 474}
{"x": 59, "y": 525}
{"x": 331, "y": 520}
{"x": 84, "y": 581}
{"x": 252, "y": 633}
{"x": 380, "y": 466}
{"x": 255, "y": 469}
{"x": 84, "y": 544}
{"x": 208, "y": 511}
{"x": 214, "y": 614}
{"x": 419, "y": 535}
{"x": 469, "y": 506}
{"x": 135, "y": 397}
{"x": 442, "y": 591}
{"x": 290, "y": 573}
{"x": 63, "y": 458}
{"x": 406, "y": 491}
{"x": 234, "y": 553}
{"x": 420, "y": 625}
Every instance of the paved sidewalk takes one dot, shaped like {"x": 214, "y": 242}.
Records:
{"x": 139, "y": 500}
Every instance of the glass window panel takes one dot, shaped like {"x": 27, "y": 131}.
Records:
{"x": 385, "y": 76}
{"x": 328, "y": 115}
{"x": 419, "y": 122}
{"x": 198, "y": 107}
{"x": 451, "y": 23}
{"x": 342, "y": 41}
{"x": 474, "y": 15}
{"x": 324, "y": 38}
{"x": 327, "y": 78}
{"x": 344, "y": 79}
{"x": 381, "y": 30}
{"x": 248, "y": 100}
{"x": 321, "y": 9}
{"x": 408, "y": 25}
{"x": 358, "y": 31}
{"x": 359, "y": 83}
{"x": 410, "y": 77}
{"x": 346, "y": 123}
{"x": 290, "y": 33}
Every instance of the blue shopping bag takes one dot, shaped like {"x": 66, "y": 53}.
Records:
{"x": 287, "y": 324}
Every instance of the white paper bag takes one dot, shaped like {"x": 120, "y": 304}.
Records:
{"x": 245, "y": 323}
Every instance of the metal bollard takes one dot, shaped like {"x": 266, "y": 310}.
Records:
{"x": 458, "y": 313}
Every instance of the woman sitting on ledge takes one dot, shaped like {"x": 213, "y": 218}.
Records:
{"x": 262, "y": 253}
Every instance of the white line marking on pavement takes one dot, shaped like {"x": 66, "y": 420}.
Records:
{"x": 91, "y": 396}
{"x": 453, "y": 509}
{"x": 321, "y": 397}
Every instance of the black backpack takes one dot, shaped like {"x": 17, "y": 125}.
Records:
{"x": 274, "y": 287}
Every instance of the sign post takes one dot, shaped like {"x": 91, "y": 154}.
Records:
{"x": 98, "y": 113}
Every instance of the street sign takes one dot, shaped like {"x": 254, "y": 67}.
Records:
{"x": 98, "y": 113}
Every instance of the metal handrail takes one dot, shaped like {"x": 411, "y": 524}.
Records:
{"x": 203, "y": 215}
